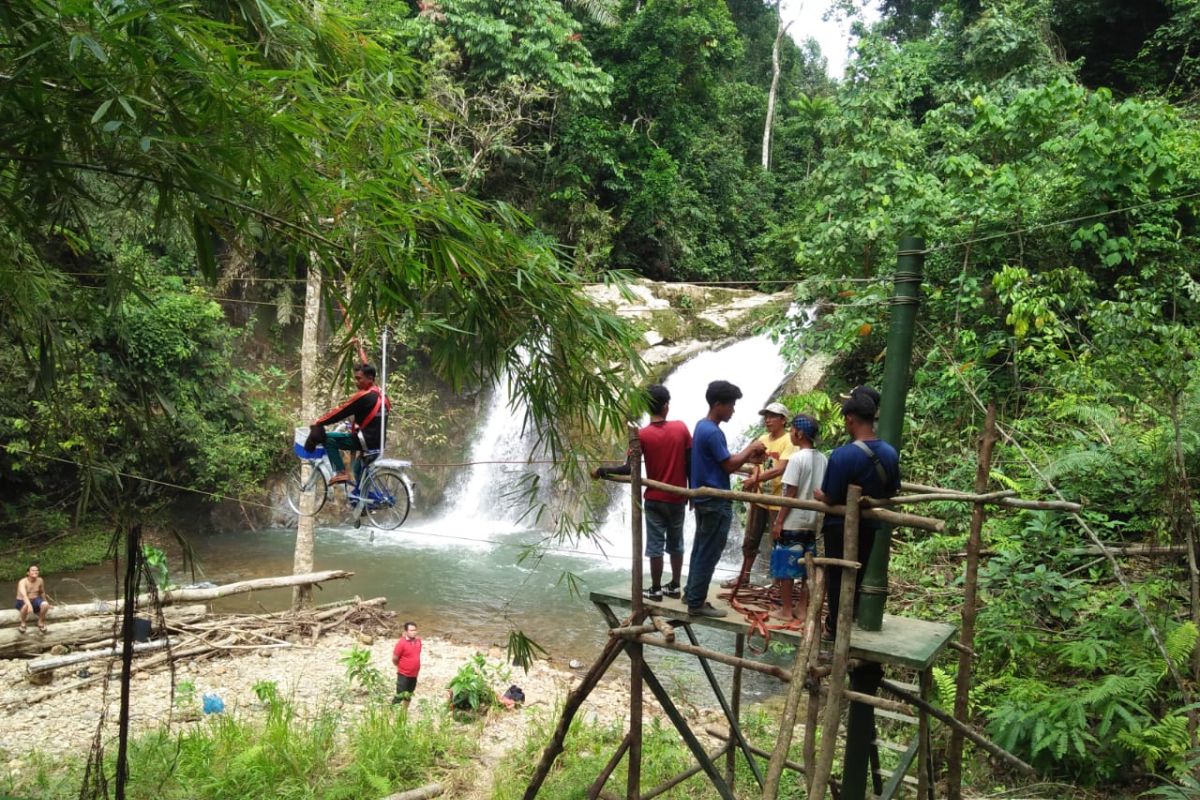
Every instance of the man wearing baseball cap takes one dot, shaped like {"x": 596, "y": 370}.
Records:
{"x": 764, "y": 478}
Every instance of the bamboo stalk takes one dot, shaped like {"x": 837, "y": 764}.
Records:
{"x": 717, "y": 733}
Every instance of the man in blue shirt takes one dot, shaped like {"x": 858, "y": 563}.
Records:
{"x": 868, "y": 462}
{"x": 711, "y": 466}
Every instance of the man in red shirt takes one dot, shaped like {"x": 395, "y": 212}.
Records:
{"x": 665, "y": 450}
{"x": 406, "y": 655}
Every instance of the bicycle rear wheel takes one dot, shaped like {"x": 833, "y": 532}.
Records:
{"x": 297, "y": 488}
{"x": 387, "y": 498}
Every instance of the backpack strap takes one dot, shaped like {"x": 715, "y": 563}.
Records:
{"x": 880, "y": 471}
{"x": 374, "y": 411}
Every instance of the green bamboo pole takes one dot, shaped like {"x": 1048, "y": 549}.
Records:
{"x": 905, "y": 301}
{"x": 860, "y": 718}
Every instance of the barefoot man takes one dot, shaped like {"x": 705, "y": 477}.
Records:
{"x": 31, "y": 596}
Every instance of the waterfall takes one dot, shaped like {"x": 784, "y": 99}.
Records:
{"x": 487, "y": 499}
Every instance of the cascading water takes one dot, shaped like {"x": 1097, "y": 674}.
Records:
{"x": 490, "y": 497}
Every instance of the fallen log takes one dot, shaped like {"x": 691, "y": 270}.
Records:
{"x": 420, "y": 793}
{"x": 109, "y": 607}
{"x": 55, "y": 662}
{"x": 14, "y": 644}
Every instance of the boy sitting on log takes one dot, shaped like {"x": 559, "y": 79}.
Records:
{"x": 31, "y": 596}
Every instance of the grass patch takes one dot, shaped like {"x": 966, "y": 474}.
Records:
{"x": 285, "y": 754}
{"x": 664, "y": 755}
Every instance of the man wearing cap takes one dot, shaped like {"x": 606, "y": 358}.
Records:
{"x": 869, "y": 462}
{"x": 712, "y": 464}
{"x": 765, "y": 479}
{"x": 795, "y": 532}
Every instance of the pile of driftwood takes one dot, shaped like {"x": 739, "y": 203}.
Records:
{"x": 88, "y": 633}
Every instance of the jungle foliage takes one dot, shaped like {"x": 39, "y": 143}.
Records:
{"x": 458, "y": 168}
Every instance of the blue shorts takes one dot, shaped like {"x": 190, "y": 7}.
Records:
{"x": 35, "y": 602}
{"x": 664, "y": 527}
{"x": 787, "y": 556}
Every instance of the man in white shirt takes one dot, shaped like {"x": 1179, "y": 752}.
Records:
{"x": 795, "y": 533}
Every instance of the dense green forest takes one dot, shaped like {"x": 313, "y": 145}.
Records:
{"x": 457, "y": 169}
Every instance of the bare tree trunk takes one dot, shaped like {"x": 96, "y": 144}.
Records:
{"x": 302, "y": 563}
{"x": 1181, "y": 502}
{"x": 970, "y": 593}
{"x": 771, "y": 96}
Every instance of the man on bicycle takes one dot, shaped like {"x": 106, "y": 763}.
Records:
{"x": 367, "y": 407}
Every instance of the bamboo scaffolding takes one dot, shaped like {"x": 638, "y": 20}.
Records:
{"x": 897, "y": 518}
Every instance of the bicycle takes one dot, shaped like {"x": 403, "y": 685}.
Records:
{"x": 382, "y": 491}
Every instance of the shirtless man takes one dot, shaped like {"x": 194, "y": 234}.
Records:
{"x": 31, "y": 596}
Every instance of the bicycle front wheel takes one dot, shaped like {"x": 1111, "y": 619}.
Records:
{"x": 387, "y": 499}
{"x": 306, "y": 497}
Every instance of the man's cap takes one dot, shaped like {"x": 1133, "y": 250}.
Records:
{"x": 806, "y": 425}
{"x": 862, "y": 402}
{"x": 861, "y": 389}
{"x": 776, "y": 408}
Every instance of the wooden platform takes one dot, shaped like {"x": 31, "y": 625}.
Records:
{"x": 902, "y": 641}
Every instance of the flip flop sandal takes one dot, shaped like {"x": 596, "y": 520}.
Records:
{"x": 22, "y": 629}
{"x": 41, "y": 628}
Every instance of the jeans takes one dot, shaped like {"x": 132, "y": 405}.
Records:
{"x": 713, "y": 518}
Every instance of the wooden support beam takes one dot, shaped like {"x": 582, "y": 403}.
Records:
{"x": 670, "y": 784}
{"x": 598, "y": 785}
{"x": 944, "y": 718}
{"x": 897, "y": 518}
{"x": 704, "y": 652}
{"x": 661, "y": 625}
{"x": 717, "y": 733}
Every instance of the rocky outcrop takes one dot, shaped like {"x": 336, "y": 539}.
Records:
{"x": 679, "y": 320}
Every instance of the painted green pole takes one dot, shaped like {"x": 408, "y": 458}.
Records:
{"x": 860, "y": 718}
{"x": 894, "y": 391}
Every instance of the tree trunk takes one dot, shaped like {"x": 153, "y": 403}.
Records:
{"x": 771, "y": 96}
{"x": 302, "y": 562}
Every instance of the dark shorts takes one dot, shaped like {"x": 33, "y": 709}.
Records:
{"x": 787, "y": 557}
{"x": 35, "y": 602}
{"x": 758, "y": 520}
{"x": 664, "y": 527}
{"x": 405, "y": 686}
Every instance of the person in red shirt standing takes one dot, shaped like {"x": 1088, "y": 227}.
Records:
{"x": 406, "y": 655}
{"x": 666, "y": 447}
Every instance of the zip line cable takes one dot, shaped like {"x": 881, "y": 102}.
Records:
{"x": 256, "y": 504}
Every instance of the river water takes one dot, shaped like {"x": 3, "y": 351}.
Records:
{"x": 458, "y": 570}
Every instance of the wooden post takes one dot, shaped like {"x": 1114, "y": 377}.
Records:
{"x": 970, "y": 593}
{"x": 739, "y": 651}
{"x": 819, "y": 779}
{"x": 924, "y": 757}
{"x": 633, "y": 784}
{"x": 799, "y": 671}
{"x": 574, "y": 700}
